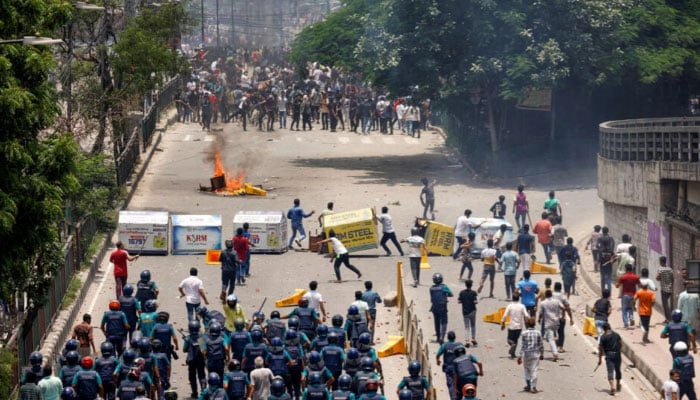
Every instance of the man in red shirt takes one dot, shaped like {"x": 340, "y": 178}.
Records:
{"x": 629, "y": 281}
{"x": 242, "y": 246}
{"x": 543, "y": 230}
{"x": 119, "y": 258}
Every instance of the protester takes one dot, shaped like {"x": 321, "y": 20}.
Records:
{"x": 191, "y": 288}
{"x": 388, "y": 232}
{"x": 610, "y": 345}
{"x": 469, "y": 299}
{"x": 517, "y": 313}
{"x": 83, "y": 334}
{"x": 340, "y": 256}
{"x": 296, "y": 216}
{"x": 531, "y": 353}
{"x": 119, "y": 259}
{"x": 665, "y": 278}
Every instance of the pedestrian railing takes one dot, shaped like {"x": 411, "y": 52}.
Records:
{"x": 164, "y": 98}
{"x": 128, "y": 157}
{"x": 651, "y": 139}
{"x": 416, "y": 347}
{"x": 35, "y": 326}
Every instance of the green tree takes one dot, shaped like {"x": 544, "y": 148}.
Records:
{"x": 38, "y": 169}
{"x": 333, "y": 41}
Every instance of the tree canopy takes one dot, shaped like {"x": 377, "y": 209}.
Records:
{"x": 38, "y": 169}
{"x": 488, "y": 55}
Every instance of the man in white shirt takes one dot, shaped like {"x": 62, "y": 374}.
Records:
{"x": 465, "y": 224}
{"x": 362, "y": 307}
{"x": 191, "y": 289}
{"x": 315, "y": 300}
{"x": 517, "y": 313}
{"x": 388, "y": 232}
{"x": 670, "y": 389}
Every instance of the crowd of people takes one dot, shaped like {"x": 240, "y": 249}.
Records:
{"x": 233, "y": 90}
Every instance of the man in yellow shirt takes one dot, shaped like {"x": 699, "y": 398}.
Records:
{"x": 645, "y": 299}
{"x": 232, "y": 310}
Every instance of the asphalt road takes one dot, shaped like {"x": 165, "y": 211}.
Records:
{"x": 357, "y": 172}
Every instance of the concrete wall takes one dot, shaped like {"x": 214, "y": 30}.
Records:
{"x": 623, "y": 219}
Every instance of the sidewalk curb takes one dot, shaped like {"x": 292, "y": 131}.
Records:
{"x": 628, "y": 350}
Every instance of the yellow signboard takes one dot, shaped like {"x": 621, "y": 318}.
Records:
{"x": 355, "y": 229}
{"x": 439, "y": 238}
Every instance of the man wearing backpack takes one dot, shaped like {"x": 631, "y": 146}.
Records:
{"x": 229, "y": 265}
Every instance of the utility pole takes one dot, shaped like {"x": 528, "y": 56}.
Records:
{"x": 233, "y": 34}
{"x": 202, "y": 12}
{"x": 218, "y": 38}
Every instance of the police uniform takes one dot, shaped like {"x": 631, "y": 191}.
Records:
{"x": 438, "y": 299}
{"x": 447, "y": 350}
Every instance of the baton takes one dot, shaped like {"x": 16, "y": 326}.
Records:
{"x": 142, "y": 246}
{"x": 263, "y": 304}
{"x": 528, "y": 218}
{"x": 596, "y": 367}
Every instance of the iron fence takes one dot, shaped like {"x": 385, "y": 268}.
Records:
{"x": 164, "y": 98}
{"x": 126, "y": 161}
{"x": 34, "y": 327}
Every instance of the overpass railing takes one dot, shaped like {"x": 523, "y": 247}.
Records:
{"x": 651, "y": 139}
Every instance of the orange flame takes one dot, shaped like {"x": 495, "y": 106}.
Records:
{"x": 233, "y": 181}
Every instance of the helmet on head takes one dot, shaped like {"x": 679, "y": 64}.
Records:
{"x": 366, "y": 364}
{"x": 372, "y": 385}
{"x": 276, "y": 342}
{"x": 451, "y": 335}
{"x": 469, "y": 390}
{"x": 140, "y": 363}
{"x": 215, "y": 329}
{"x": 193, "y": 326}
{"x": 291, "y": 334}
{"x": 303, "y": 302}
{"x": 157, "y": 345}
{"x": 680, "y": 346}
{"x": 68, "y": 393}
{"x": 365, "y": 338}
{"x": 256, "y": 335}
{"x": 72, "y": 357}
{"x": 275, "y": 314}
{"x": 129, "y": 356}
{"x": 232, "y": 300}
{"x": 128, "y": 290}
{"x": 437, "y": 278}
{"x": 315, "y": 378}
{"x": 235, "y": 364}
{"x": 405, "y": 394}
{"x": 107, "y": 349}
{"x": 353, "y": 310}
{"x": 259, "y": 315}
{"x": 239, "y": 324}
{"x": 333, "y": 338}
{"x": 86, "y": 362}
{"x": 150, "y": 306}
{"x": 145, "y": 275}
{"x": 134, "y": 374}
{"x": 460, "y": 351}
{"x": 213, "y": 379}
{"x": 134, "y": 342}
{"x": 71, "y": 345}
{"x": 277, "y": 387}
{"x": 322, "y": 330}
{"x": 162, "y": 316}
{"x": 415, "y": 231}
{"x": 337, "y": 320}
{"x": 202, "y": 311}
{"x": 114, "y": 305}
{"x": 344, "y": 382}
{"x": 314, "y": 357}
{"x": 353, "y": 353}
{"x": 36, "y": 358}
{"x": 144, "y": 345}
{"x": 414, "y": 368}
{"x": 293, "y": 322}
{"x": 677, "y": 315}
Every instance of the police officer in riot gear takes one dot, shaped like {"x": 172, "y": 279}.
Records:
{"x": 105, "y": 367}
{"x": 274, "y": 327}
{"x": 215, "y": 350}
{"x": 236, "y": 382}
{"x": 439, "y": 293}
{"x": 193, "y": 346}
{"x": 131, "y": 307}
{"x": 308, "y": 318}
{"x": 678, "y": 330}
{"x": 253, "y": 350}
{"x": 115, "y": 326}
{"x": 293, "y": 346}
{"x": 146, "y": 289}
{"x": 447, "y": 351}
{"x": 686, "y": 365}
{"x": 417, "y": 384}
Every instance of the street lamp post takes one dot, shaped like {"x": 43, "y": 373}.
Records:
{"x": 202, "y": 12}
{"x": 218, "y": 39}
